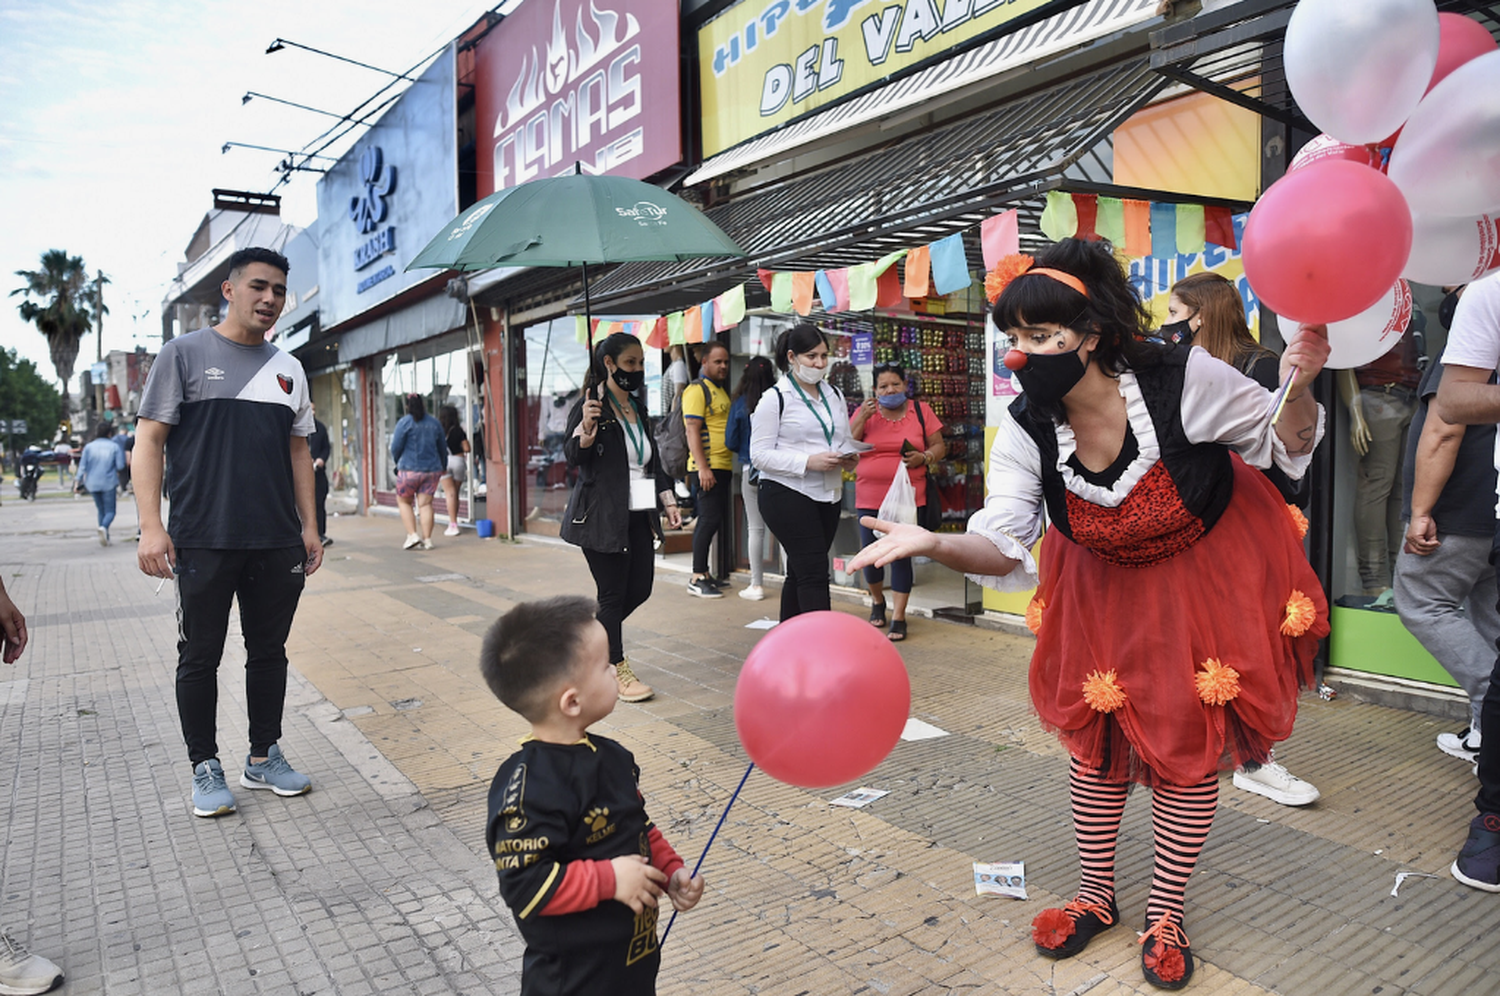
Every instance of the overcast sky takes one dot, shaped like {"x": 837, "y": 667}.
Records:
{"x": 112, "y": 116}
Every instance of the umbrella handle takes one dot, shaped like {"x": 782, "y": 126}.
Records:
{"x": 710, "y": 843}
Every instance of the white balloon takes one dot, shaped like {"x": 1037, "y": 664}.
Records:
{"x": 1367, "y": 336}
{"x": 1357, "y": 68}
{"x": 1449, "y": 250}
{"x": 1448, "y": 158}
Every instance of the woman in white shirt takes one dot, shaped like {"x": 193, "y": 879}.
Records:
{"x": 800, "y": 444}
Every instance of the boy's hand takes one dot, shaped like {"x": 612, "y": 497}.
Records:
{"x": 684, "y": 890}
{"x": 637, "y": 884}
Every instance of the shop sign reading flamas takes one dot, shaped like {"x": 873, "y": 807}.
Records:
{"x": 570, "y": 81}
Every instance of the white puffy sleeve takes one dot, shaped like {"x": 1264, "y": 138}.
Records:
{"x": 1012, "y": 514}
{"x": 1222, "y": 405}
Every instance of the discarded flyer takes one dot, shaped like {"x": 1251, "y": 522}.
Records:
{"x": 761, "y": 624}
{"x": 1001, "y": 878}
{"x": 859, "y": 798}
{"x": 1403, "y": 876}
{"x": 917, "y": 730}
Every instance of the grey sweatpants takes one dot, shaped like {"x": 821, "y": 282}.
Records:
{"x": 1432, "y": 594}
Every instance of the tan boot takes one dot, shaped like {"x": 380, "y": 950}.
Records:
{"x": 632, "y": 689}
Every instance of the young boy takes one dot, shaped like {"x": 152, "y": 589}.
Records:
{"x": 580, "y": 863}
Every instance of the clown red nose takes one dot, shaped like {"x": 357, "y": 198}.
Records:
{"x": 1014, "y": 359}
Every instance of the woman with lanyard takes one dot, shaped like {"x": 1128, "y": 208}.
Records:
{"x": 800, "y": 444}
{"x": 613, "y": 511}
{"x": 1142, "y": 456}
{"x": 903, "y": 432}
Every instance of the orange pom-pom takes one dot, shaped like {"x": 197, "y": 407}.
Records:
{"x": 1103, "y": 692}
{"x": 1034, "y": 614}
{"x": 1298, "y": 519}
{"x": 1217, "y": 683}
{"x": 1300, "y": 614}
{"x": 1052, "y": 928}
{"x": 1007, "y": 269}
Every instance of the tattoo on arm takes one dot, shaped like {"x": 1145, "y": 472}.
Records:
{"x": 1305, "y": 440}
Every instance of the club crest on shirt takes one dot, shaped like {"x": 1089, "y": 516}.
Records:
{"x": 285, "y": 382}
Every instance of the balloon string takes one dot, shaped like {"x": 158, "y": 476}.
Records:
{"x": 1279, "y": 402}
{"x": 710, "y": 843}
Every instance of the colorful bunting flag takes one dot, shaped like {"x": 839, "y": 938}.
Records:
{"x": 1137, "y": 228}
{"x": 730, "y": 309}
{"x": 709, "y": 307}
{"x": 802, "y": 291}
{"x": 918, "y": 269}
{"x": 692, "y": 324}
{"x": 862, "y": 287}
{"x": 766, "y": 276}
{"x": 1059, "y": 217}
{"x": 1163, "y": 230}
{"x": 675, "y": 335}
{"x": 888, "y": 289}
{"x": 1218, "y": 227}
{"x": 839, "y": 279}
{"x": 1110, "y": 221}
{"x": 1086, "y": 207}
{"x": 581, "y": 329}
{"x": 1190, "y": 229}
{"x": 1000, "y": 236}
{"x": 825, "y": 291}
{"x": 950, "y": 265}
{"x": 781, "y": 292}
{"x": 658, "y": 337}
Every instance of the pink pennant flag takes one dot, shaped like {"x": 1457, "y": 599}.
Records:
{"x": 1000, "y": 236}
{"x": 840, "y": 280}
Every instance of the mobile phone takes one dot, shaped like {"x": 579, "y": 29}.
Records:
{"x": 907, "y": 447}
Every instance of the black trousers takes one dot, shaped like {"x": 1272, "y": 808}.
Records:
{"x": 320, "y": 499}
{"x": 1488, "y": 798}
{"x": 268, "y": 584}
{"x": 591, "y": 970}
{"x": 713, "y": 517}
{"x": 805, "y": 528}
{"x": 623, "y": 580}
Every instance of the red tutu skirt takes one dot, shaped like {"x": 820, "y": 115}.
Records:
{"x": 1186, "y": 666}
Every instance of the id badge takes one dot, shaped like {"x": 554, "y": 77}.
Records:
{"x": 642, "y": 495}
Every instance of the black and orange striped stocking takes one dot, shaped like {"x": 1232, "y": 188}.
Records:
{"x": 1180, "y": 820}
{"x": 1098, "y": 806}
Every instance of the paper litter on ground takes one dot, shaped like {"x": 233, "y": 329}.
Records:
{"x": 761, "y": 624}
{"x": 917, "y": 730}
{"x": 859, "y": 798}
{"x": 1403, "y": 876}
{"x": 1000, "y": 878}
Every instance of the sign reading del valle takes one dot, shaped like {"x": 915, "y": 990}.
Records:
{"x": 586, "y": 81}
{"x": 764, "y": 62}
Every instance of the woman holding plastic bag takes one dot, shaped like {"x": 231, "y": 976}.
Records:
{"x": 892, "y": 477}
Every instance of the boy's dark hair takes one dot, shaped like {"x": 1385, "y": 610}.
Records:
{"x": 256, "y": 254}
{"x": 532, "y": 648}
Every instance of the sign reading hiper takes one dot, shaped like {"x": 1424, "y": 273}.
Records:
{"x": 368, "y": 209}
{"x": 569, "y": 82}
{"x": 765, "y": 62}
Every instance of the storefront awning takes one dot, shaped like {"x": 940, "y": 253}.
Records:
{"x": 1061, "y": 33}
{"x": 910, "y": 193}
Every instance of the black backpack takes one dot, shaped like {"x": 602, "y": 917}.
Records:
{"x": 671, "y": 435}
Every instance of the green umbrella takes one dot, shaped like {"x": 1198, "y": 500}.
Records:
{"x": 575, "y": 220}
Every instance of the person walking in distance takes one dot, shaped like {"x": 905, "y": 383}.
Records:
{"x": 705, "y": 415}
{"x": 225, "y": 417}
{"x": 420, "y": 455}
{"x": 99, "y": 474}
{"x": 458, "y": 464}
{"x": 758, "y": 377}
{"x": 321, "y": 448}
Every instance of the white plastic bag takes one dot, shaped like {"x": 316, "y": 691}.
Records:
{"x": 900, "y": 503}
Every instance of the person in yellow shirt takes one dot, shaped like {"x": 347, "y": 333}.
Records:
{"x": 705, "y": 416}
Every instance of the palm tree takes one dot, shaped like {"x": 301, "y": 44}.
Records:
{"x": 64, "y": 315}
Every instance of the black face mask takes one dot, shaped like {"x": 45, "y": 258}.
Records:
{"x": 629, "y": 381}
{"x": 1177, "y": 332}
{"x": 1046, "y": 377}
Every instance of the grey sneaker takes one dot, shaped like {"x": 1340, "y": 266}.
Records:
{"x": 211, "y": 795}
{"x": 23, "y": 973}
{"x": 276, "y": 774}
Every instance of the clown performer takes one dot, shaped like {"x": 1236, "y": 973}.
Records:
{"x": 1141, "y": 456}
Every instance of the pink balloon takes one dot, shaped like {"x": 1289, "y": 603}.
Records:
{"x": 821, "y": 700}
{"x": 1324, "y": 243}
{"x": 1367, "y": 336}
{"x": 1461, "y": 39}
{"x": 1326, "y": 147}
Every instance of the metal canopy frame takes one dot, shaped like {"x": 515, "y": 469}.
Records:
{"x": 912, "y": 192}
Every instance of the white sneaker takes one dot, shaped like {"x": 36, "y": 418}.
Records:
{"x": 103, "y": 537}
{"x": 753, "y": 593}
{"x": 412, "y": 539}
{"x": 427, "y": 544}
{"x": 452, "y": 530}
{"x": 23, "y": 972}
{"x": 1277, "y": 784}
{"x": 1464, "y": 746}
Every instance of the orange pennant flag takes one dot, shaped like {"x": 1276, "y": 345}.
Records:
{"x": 888, "y": 289}
{"x": 918, "y": 269}
{"x": 658, "y": 337}
{"x": 1137, "y": 228}
{"x": 802, "y": 292}
{"x": 692, "y": 323}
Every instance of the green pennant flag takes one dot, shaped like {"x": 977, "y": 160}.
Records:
{"x": 1060, "y": 216}
{"x": 889, "y": 260}
{"x": 781, "y": 292}
{"x": 581, "y": 329}
{"x": 675, "y": 334}
{"x": 862, "y": 286}
{"x": 731, "y": 309}
{"x": 1190, "y": 229}
{"x": 1110, "y": 221}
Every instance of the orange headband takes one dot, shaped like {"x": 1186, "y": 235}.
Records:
{"x": 1019, "y": 264}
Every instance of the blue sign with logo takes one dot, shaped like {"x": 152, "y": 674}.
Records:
{"x": 862, "y": 348}
{"x": 368, "y": 210}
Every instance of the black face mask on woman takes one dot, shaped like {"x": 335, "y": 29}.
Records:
{"x": 1177, "y": 331}
{"x": 1047, "y": 377}
{"x": 629, "y": 381}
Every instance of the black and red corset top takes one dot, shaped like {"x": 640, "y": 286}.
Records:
{"x": 1151, "y": 525}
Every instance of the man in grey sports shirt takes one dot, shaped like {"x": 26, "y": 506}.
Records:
{"x": 224, "y": 418}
